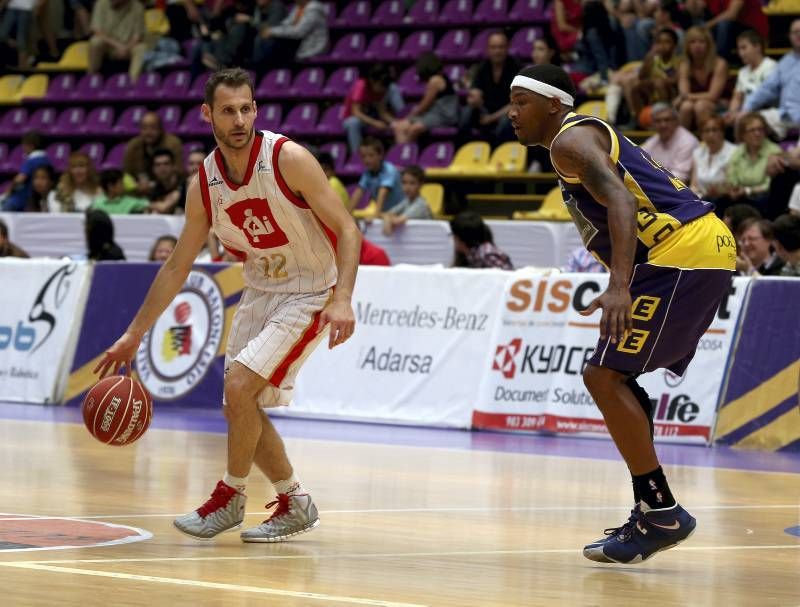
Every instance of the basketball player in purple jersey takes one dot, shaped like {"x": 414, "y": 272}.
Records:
{"x": 270, "y": 205}
{"x": 670, "y": 261}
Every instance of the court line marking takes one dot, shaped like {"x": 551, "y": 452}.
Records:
{"x": 369, "y": 555}
{"x": 140, "y": 536}
{"x": 214, "y": 585}
{"x": 11, "y": 517}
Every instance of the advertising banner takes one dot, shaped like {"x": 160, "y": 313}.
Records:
{"x": 39, "y": 305}
{"x": 541, "y": 344}
{"x": 418, "y": 352}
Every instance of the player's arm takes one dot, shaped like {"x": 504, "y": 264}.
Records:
{"x": 582, "y": 152}
{"x": 305, "y": 177}
{"x": 165, "y": 287}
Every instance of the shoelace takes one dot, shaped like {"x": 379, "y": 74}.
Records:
{"x": 625, "y": 531}
{"x": 283, "y": 506}
{"x": 220, "y": 497}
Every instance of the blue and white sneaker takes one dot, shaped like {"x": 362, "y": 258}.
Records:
{"x": 646, "y": 532}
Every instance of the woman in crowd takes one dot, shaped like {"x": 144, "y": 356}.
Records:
{"x": 710, "y": 163}
{"x": 702, "y": 76}
{"x": 79, "y": 186}
{"x": 162, "y": 248}
{"x": 474, "y": 244}
{"x": 545, "y": 50}
{"x": 748, "y": 180}
{"x": 43, "y": 181}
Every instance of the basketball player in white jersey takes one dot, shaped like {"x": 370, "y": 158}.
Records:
{"x": 269, "y": 204}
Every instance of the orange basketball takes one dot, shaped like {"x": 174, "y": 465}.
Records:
{"x": 646, "y": 117}
{"x": 117, "y": 410}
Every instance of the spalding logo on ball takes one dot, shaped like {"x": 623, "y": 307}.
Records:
{"x": 117, "y": 410}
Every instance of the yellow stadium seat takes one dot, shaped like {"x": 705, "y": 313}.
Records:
{"x": 552, "y": 209}
{"x": 471, "y": 157}
{"x": 433, "y": 193}
{"x": 75, "y": 58}
{"x": 593, "y": 108}
{"x": 8, "y": 87}
{"x": 156, "y": 22}
{"x": 368, "y": 212}
{"x": 32, "y": 86}
{"x": 509, "y": 157}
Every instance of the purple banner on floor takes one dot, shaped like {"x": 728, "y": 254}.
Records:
{"x": 180, "y": 359}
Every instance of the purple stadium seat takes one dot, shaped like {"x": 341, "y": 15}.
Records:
{"x": 88, "y": 87}
{"x": 193, "y": 124}
{"x": 42, "y": 120}
{"x": 70, "y": 122}
{"x": 61, "y": 87}
{"x": 100, "y": 121}
{"x": 410, "y": 83}
{"x": 456, "y": 11}
{"x": 193, "y": 146}
{"x": 269, "y": 117}
{"x": 353, "y": 167}
{"x": 350, "y": 47}
{"x": 331, "y": 121}
{"x": 454, "y": 44}
{"x": 147, "y": 87}
{"x": 175, "y": 85}
{"x": 477, "y": 50}
{"x": 383, "y": 47}
{"x": 522, "y": 42}
{"x": 114, "y": 157}
{"x": 274, "y": 84}
{"x": 197, "y": 90}
{"x": 301, "y": 120}
{"x": 117, "y": 86}
{"x": 403, "y": 154}
{"x": 338, "y": 150}
{"x": 354, "y": 14}
{"x": 423, "y": 12}
{"x": 491, "y": 11}
{"x": 95, "y": 151}
{"x": 170, "y": 117}
{"x": 455, "y": 72}
{"x": 437, "y": 155}
{"x": 3, "y": 155}
{"x": 416, "y": 44}
{"x": 330, "y": 9}
{"x": 525, "y": 11}
{"x": 58, "y": 153}
{"x": 389, "y": 12}
{"x": 14, "y": 121}
{"x": 13, "y": 161}
{"x": 308, "y": 83}
{"x": 340, "y": 82}
{"x": 128, "y": 122}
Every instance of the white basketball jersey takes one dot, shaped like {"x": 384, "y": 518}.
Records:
{"x": 284, "y": 246}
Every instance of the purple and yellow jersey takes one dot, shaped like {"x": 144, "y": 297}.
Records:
{"x": 666, "y": 210}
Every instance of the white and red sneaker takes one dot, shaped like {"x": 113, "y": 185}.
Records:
{"x": 294, "y": 514}
{"x": 224, "y": 511}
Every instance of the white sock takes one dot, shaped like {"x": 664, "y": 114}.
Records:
{"x": 613, "y": 101}
{"x": 238, "y": 483}
{"x": 291, "y": 486}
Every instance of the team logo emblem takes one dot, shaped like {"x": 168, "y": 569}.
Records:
{"x": 254, "y": 217}
{"x": 214, "y": 181}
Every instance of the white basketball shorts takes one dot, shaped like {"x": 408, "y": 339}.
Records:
{"x": 272, "y": 334}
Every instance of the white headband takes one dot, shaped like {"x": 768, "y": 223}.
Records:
{"x": 537, "y": 86}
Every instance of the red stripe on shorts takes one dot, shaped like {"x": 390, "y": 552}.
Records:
{"x": 311, "y": 332}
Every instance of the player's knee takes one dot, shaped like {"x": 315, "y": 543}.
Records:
{"x": 239, "y": 393}
{"x": 598, "y": 379}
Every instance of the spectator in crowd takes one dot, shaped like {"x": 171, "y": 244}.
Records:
{"x": 474, "y": 244}
{"x": 566, "y": 24}
{"x": 487, "y": 99}
{"x": 748, "y": 180}
{"x": 117, "y": 33}
{"x": 373, "y": 101}
{"x": 325, "y": 160}
{"x": 100, "y": 236}
{"x": 757, "y": 67}
{"x": 21, "y": 184}
{"x": 115, "y": 201}
{"x": 381, "y": 179}
{"x": 710, "y": 162}
{"x": 581, "y": 260}
{"x": 18, "y": 17}
{"x": 138, "y": 159}
{"x": 193, "y": 162}
{"x": 756, "y": 255}
{"x": 786, "y": 234}
{"x": 702, "y": 76}
{"x": 301, "y": 35}
{"x": 42, "y": 183}
{"x": 672, "y": 145}
{"x": 784, "y": 171}
{"x": 438, "y": 106}
{"x": 545, "y": 50}
{"x": 736, "y": 216}
{"x": 162, "y": 248}
{"x": 373, "y": 255}
{"x": 167, "y": 196}
{"x": 78, "y": 187}
{"x": 8, "y": 248}
{"x": 413, "y": 205}
{"x": 782, "y": 87}
{"x": 601, "y": 47}
{"x": 730, "y": 18}
{"x": 81, "y": 17}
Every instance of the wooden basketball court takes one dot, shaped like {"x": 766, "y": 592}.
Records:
{"x": 402, "y": 524}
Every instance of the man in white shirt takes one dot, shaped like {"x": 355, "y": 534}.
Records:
{"x": 757, "y": 67}
{"x": 672, "y": 145}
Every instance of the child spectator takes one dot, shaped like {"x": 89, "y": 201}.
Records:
{"x": 381, "y": 179}
{"x": 42, "y": 183}
{"x": 757, "y": 68}
{"x": 21, "y": 184}
{"x": 326, "y": 162}
{"x": 162, "y": 248}
{"x": 413, "y": 206}
{"x": 115, "y": 201}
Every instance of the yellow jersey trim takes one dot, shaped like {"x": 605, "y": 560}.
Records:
{"x": 613, "y": 153}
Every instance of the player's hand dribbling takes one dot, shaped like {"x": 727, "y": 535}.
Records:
{"x": 121, "y": 354}
{"x": 339, "y": 315}
{"x": 616, "y": 319}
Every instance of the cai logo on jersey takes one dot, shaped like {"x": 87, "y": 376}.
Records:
{"x": 176, "y": 354}
{"x": 254, "y": 217}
